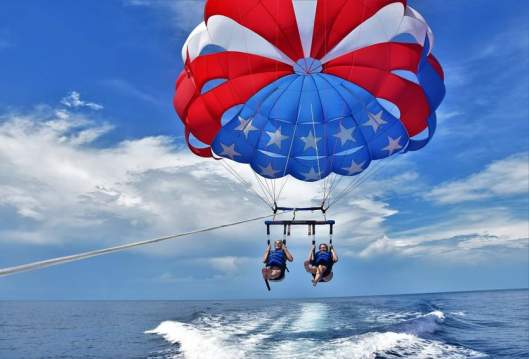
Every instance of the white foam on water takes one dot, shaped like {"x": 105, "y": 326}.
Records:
{"x": 426, "y": 323}
{"x": 245, "y": 336}
{"x": 365, "y": 346}
{"x": 236, "y": 324}
{"x": 440, "y": 316}
{"x": 394, "y": 345}
{"x": 218, "y": 336}
{"x": 371, "y": 346}
{"x": 459, "y": 313}
{"x": 387, "y": 317}
{"x": 312, "y": 317}
{"x": 196, "y": 343}
{"x": 274, "y": 326}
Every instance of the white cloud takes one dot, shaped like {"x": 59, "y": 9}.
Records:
{"x": 506, "y": 177}
{"x": 52, "y": 176}
{"x": 62, "y": 188}
{"x": 229, "y": 264}
{"x": 462, "y": 236}
{"x": 224, "y": 264}
{"x": 73, "y": 100}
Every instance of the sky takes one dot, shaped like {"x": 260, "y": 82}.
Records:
{"x": 92, "y": 155}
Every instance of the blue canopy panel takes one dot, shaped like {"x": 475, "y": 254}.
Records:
{"x": 308, "y": 126}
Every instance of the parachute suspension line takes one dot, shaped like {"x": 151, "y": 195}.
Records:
{"x": 263, "y": 196}
{"x": 273, "y": 183}
{"x": 333, "y": 184}
{"x": 381, "y": 164}
{"x": 99, "y": 252}
{"x": 285, "y": 181}
{"x": 268, "y": 185}
{"x": 327, "y": 188}
{"x": 357, "y": 180}
{"x": 263, "y": 189}
{"x": 249, "y": 185}
{"x": 354, "y": 182}
{"x": 361, "y": 180}
{"x": 323, "y": 190}
{"x": 269, "y": 188}
{"x": 241, "y": 180}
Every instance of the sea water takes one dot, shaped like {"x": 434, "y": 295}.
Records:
{"x": 491, "y": 324}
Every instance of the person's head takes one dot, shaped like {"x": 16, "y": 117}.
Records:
{"x": 278, "y": 244}
{"x": 324, "y": 247}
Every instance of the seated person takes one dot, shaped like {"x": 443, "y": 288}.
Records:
{"x": 320, "y": 263}
{"x": 276, "y": 261}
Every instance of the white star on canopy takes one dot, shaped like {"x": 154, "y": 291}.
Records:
{"x": 375, "y": 121}
{"x": 245, "y": 126}
{"x": 354, "y": 168}
{"x": 276, "y": 138}
{"x": 229, "y": 151}
{"x": 311, "y": 175}
{"x": 311, "y": 141}
{"x": 268, "y": 171}
{"x": 345, "y": 134}
{"x": 393, "y": 145}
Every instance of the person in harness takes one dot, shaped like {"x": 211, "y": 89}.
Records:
{"x": 276, "y": 261}
{"x": 320, "y": 263}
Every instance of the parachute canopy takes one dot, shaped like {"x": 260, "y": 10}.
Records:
{"x": 308, "y": 88}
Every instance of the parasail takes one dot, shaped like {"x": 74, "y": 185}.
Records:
{"x": 312, "y": 89}
{"x": 309, "y": 88}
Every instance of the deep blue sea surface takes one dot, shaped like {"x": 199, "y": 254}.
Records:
{"x": 447, "y": 325}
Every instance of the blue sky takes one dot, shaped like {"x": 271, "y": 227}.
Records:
{"x": 91, "y": 155}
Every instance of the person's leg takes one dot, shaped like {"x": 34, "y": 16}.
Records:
{"x": 265, "y": 271}
{"x": 274, "y": 273}
{"x": 308, "y": 267}
{"x": 319, "y": 271}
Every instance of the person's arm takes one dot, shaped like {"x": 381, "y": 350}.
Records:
{"x": 334, "y": 255}
{"x": 266, "y": 253}
{"x": 287, "y": 253}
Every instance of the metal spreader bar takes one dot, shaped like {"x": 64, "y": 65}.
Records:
{"x": 310, "y": 223}
{"x": 297, "y": 209}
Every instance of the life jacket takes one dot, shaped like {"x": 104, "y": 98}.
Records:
{"x": 323, "y": 258}
{"x": 276, "y": 258}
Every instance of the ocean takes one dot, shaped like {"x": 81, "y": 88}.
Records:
{"x": 488, "y": 324}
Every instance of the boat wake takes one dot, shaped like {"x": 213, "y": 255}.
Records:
{"x": 304, "y": 330}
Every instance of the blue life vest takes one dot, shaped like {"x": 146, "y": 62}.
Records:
{"x": 276, "y": 258}
{"x": 323, "y": 258}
